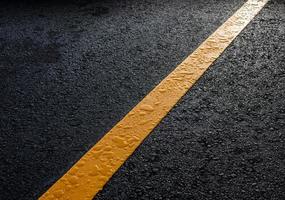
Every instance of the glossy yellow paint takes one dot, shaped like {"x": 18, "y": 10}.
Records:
{"x": 87, "y": 177}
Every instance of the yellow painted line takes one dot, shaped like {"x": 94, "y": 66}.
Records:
{"x": 87, "y": 177}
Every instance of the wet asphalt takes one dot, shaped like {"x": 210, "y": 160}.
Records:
{"x": 225, "y": 138}
{"x": 70, "y": 70}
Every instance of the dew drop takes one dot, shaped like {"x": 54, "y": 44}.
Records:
{"x": 73, "y": 180}
{"x": 146, "y": 107}
{"x": 58, "y": 193}
{"x": 119, "y": 142}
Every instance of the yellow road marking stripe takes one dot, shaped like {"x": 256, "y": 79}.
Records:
{"x": 87, "y": 177}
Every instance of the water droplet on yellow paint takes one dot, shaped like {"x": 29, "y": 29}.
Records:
{"x": 119, "y": 142}
{"x": 127, "y": 127}
{"x": 142, "y": 113}
{"x": 162, "y": 90}
{"x": 108, "y": 148}
{"x": 146, "y": 107}
{"x": 58, "y": 193}
{"x": 73, "y": 180}
{"x": 93, "y": 173}
{"x": 145, "y": 122}
{"x": 80, "y": 163}
{"x": 103, "y": 179}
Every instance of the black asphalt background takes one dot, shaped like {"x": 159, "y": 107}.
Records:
{"x": 226, "y": 138}
{"x": 70, "y": 70}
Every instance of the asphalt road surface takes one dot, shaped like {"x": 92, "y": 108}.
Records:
{"x": 70, "y": 70}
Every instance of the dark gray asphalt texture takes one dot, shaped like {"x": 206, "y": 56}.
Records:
{"x": 226, "y": 138}
{"x": 71, "y": 69}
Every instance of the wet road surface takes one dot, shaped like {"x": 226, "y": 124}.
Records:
{"x": 71, "y": 70}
